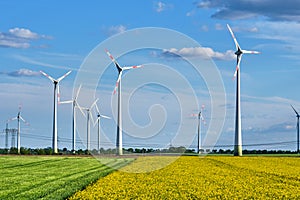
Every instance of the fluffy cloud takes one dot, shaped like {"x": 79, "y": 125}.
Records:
{"x": 19, "y": 38}
{"x": 23, "y": 33}
{"x": 114, "y": 29}
{"x": 287, "y": 10}
{"x": 23, "y": 72}
{"x": 203, "y": 52}
{"x": 160, "y": 6}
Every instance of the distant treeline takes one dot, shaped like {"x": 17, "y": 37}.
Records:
{"x": 182, "y": 150}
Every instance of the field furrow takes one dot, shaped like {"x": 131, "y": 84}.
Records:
{"x": 51, "y": 177}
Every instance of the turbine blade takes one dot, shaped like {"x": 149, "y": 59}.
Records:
{"x": 64, "y": 76}
{"x": 98, "y": 119}
{"x": 49, "y": 77}
{"x": 24, "y": 120}
{"x": 58, "y": 94}
{"x": 114, "y": 60}
{"x": 94, "y": 103}
{"x": 66, "y": 102}
{"x": 97, "y": 109}
{"x": 91, "y": 116}
{"x": 81, "y": 109}
{"x": 239, "y": 58}
{"x": 250, "y": 52}
{"x": 104, "y": 116}
{"x": 132, "y": 67}
{"x": 78, "y": 90}
{"x": 117, "y": 83}
{"x": 295, "y": 110}
{"x": 12, "y": 119}
{"x": 234, "y": 39}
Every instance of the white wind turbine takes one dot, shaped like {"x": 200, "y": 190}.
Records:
{"x": 200, "y": 118}
{"x": 119, "y": 145}
{"x": 19, "y": 118}
{"x": 88, "y": 116}
{"x": 74, "y": 105}
{"x": 238, "y": 129}
{"x": 56, "y": 98}
{"x": 298, "y": 116}
{"x": 99, "y": 116}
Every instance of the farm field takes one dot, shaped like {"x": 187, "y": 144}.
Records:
{"x": 210, "y": 177}
{"x": 50, "y": 177}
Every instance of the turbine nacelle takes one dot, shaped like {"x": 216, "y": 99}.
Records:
{"x": 120, "y": 69}
{"x": 239, "y": 51}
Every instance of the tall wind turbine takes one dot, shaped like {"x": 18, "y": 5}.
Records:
{"x": 119, "y": 145}
{"x": 99, "y": 116}
{"x": 238, "y": 129}
{"x": 88, "y": 116}
{"x": 19, "y": 118}
{"x": 56, "y": 85}
{"x": 297, "y": 115}
{"x": 74, "y": 105}
{"x": 200, "y": 118}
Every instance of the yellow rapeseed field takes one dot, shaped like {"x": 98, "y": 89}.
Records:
{"x": 201, "y": 178}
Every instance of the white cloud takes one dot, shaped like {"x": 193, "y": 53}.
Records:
{"x": 6, "y": 42}
{"x": 19, "y": 38}
{"x": 23, "y": 72}
{"x": 114, "y": 29}
{"x": 23, "y": 33}
{"x": 203, "y": 52}
{"x": 160, "y": 6}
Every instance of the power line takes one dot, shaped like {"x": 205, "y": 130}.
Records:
{"x": 152, "y": 145}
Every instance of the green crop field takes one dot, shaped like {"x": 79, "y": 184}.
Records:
{"x": 50, "y": 177}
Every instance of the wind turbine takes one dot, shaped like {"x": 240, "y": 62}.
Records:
{"x": 56, "y": 98}
{"x": 88, "y": 116}
{"x": 200, "y": 118}
{"x": 19, "y": 118}
{"x": 99, "y": 116}
{"x": 118, "y": 85}
{"x": 297, "y": 115}
{"x": 238, "y": 129}
{"x": 74, "y": 105}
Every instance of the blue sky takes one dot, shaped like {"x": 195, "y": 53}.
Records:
{"x": 57, "y": 36}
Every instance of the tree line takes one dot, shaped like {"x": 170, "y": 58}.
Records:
{"x": 177, "y": 150}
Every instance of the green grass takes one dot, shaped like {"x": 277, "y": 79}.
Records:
{"x": 50, "y": 177}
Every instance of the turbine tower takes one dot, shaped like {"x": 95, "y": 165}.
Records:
{"x": 6, "y": 135}
{"x": 238, "y": 126}
{"x": 74, "y": 105}
{"x": 200, "y": 118}
{"x": 88, "y": 112}
{"x": 56, "y": 98}
{"x": 297, "y": 115}
{"x": 19, "y": 118}
{"x": 119, "y": 145}
{"x": 99, "y": 116}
